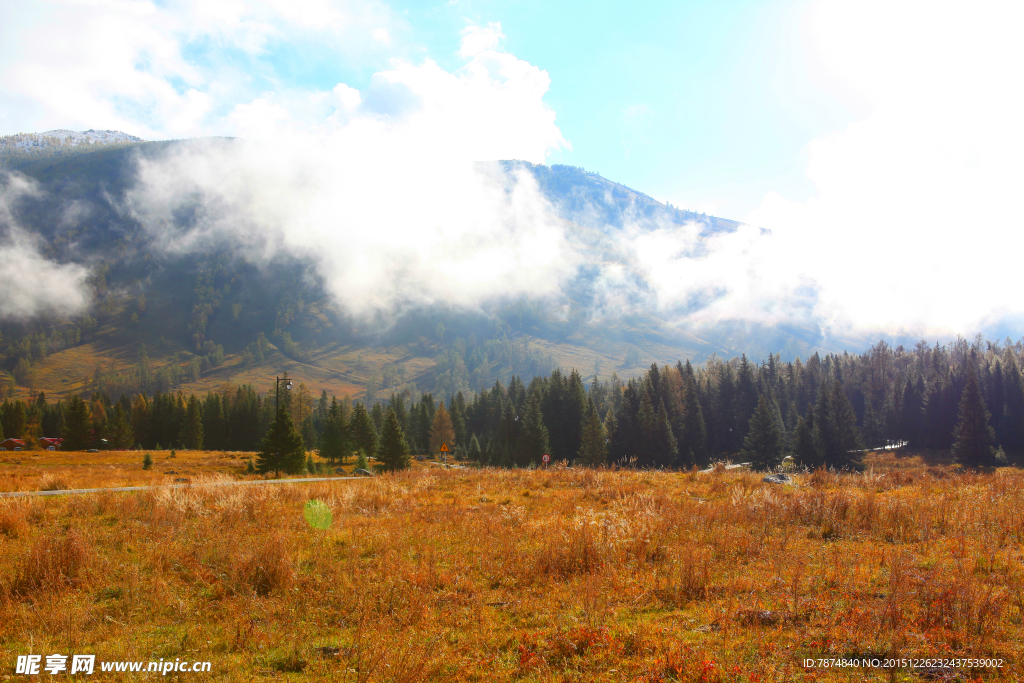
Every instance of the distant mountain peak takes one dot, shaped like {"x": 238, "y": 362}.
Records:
{"x": 23, "y": 147}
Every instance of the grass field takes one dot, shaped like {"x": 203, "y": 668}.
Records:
{"x": 502, "y": 575}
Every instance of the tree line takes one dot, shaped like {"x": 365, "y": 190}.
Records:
{"x": 965, "y": 396}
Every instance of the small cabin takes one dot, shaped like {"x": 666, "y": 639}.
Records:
{"x": 12, "y": 445}
{"x": 51, "y": 443}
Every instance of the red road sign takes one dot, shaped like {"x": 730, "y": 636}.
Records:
{"x": 546, "y": 458}
{"x": 444, "y": 447}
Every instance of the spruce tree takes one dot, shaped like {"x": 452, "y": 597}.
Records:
{"x": 119, "y": 430}
{"x": 763, "y": 444}
{"x": 394, "y": 451}
{"x": 191, "y": 436}
{"x": 973, "y": 435}
{"x": 475, "y": 455}
{"x": 851, "y": 451}
{"x": 533, "y": 439}
{"x": 805, "y": 450}
{"x": 361, "y": 430}
{"x": 282, "y": 448}
{"x": 334, "y": 442}
{"x": 693, "y": 445}
{"x": 593, "y": 449}
{"x": 77, "y": 425}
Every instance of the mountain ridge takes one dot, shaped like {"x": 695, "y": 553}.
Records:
{"x": 201, "y": 317}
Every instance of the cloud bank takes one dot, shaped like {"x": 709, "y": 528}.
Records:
{"x": 30, "y": 284}
{"x": 385, "y": 195}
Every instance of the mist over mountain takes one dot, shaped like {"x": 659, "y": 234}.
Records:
{"x": 200, "y": 249}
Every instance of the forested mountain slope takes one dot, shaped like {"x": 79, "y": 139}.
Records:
{"x": 214, "y": 316}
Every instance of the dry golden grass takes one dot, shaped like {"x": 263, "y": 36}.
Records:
{"x": 557, "y": 575}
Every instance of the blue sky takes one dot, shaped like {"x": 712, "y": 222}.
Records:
{"x": 703, "y": 104}
{"x": 706, "y": 105}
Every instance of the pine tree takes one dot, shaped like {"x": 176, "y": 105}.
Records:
{"x": 851, "y": 451}
{"x": 475, "y": 454}
{"x": 394, "y": 451}
{"x": 77, "y": 425}
{"x": 191, "y": 436}
{"x": 119, "y": 430}
{"x": 763, "y": 445}
{"x": 693, "y": 444}
{"x": 533, "y": 440}
{"x": 214, "y": 427}
{"x": 361, "y": 430}
{"x": 334, "y": 441}
{"x": 506, "y": 437}
{"x": 282, "y": 448}
{"x": 805, "y": 450}
{"x": 973, "y": 435}
{"x": 593, "y": 449}
{"x": 836, "y": 437}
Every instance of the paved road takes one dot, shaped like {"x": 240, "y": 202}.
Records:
{"x": 71, "y": 492}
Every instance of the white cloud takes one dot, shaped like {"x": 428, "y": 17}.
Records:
{"x": 164, "y": 69}
{"x": 386, "y": 196}
{"x": 915, "y": 226}
{"x": 478, "y": 39}
{"x": 31, "y": 284}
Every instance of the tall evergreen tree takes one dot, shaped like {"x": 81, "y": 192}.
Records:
{"x": 214, "y": 427}
{"x": 805, "y": 450}
{"x": 533, "y": 439}
{"x": 973, "y": 436}
{"x": 394, "y": 451}
{"x": 335, "y": 445}
{"x": 762, "y": 447}
{"x": 693, "y": 444}
{"x": 836, "y": 436}
{"x": 119, "y": 430}
{"x": 282, "y": 449}
{"x": 192, "y": 430}
{"x": 475, "y": 454}
{"x": 361, "y": 430}
{"x": 593, "y": 449}
{"x": 506, "y": 437}
{"x": 77, "y": 425}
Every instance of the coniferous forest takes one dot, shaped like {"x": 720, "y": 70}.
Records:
{"x": 967, "y": 397}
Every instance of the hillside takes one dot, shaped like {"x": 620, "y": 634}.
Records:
{"x": 217, "y": 317}
{"x": 26, "y": 147}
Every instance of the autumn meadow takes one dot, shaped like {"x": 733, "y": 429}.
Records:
{"x": 558, "y": 574}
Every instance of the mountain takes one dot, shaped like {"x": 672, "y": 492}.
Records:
{"x": 209, "y": 317}
{"x": 24, "y": 147}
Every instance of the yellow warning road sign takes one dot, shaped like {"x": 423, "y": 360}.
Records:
{"x": 444, "y": 448}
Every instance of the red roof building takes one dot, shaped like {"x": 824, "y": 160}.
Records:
{"x": 51, "y": 443}
{"x": 12, "y": 445}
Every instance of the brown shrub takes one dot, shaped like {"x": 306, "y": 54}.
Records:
{"x": 54, "y": 562}
{"x": 687, "y": 580}
{"x": 268, "y": 568}
{"x": 55, "y": 481}
{"x": 12, "y": 523}
{"x": 574, "y": 551}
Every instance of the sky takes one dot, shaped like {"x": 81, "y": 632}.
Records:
{"x": 878, "y": 142}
